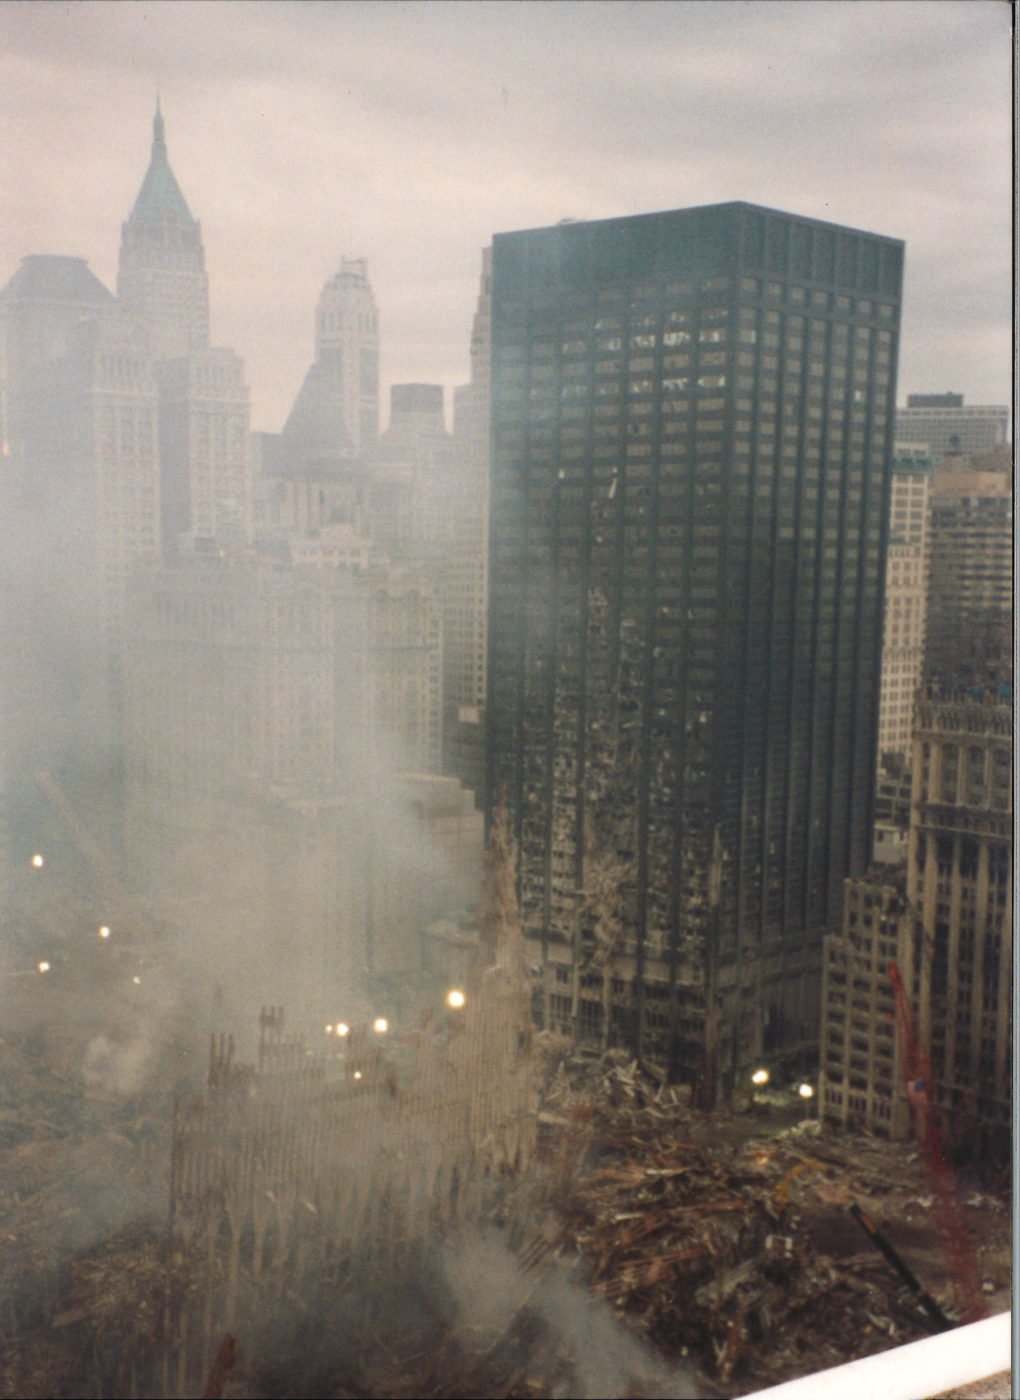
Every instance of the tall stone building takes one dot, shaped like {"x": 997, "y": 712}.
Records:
{"x": 245, "y": 722}
{"x": 347, "y": 350}
{"x": 82, "y": 454}
{"x": 41, "y": 308}
{"x": 80, "y": 510}
{"x": 948, "y": 921}
{"x": 468, "y": 558}
{"x": 161, "y": 278}
{"x": 205, "y": 453}
{"x": 313, "y": 478}
{"x": 861, "y": 1072}
{"x": 279, "y": 722}
{"x": 960, "y": 894}
{"x": 906, "y": 596}
{"x": 204, "y": 449}
{"x": 969, "y": 625}
{"x": 125, "y": 430}
{"x": 406, "y": 673}
{"x": 692, "y": 421}
{"x": 413, "y": 469}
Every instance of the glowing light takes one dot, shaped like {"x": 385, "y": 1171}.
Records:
{"x": 38, "y": 861}
{"x": 329, "y": 1030}
{"x": 44, "y": 967}
{"x": 137, "y": 981}
{"x": 357, "y": 1074}
{"x": 104, "y": 932}
{"x": 380, "y": 1025}
{"x": 455, "y": 998}
{"x": 760, "y": 1076}
{"x": 342, "y": 1028}
{"x": 806, "y": 1091}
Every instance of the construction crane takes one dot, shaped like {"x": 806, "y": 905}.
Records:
{"x": 949, "y": 1214}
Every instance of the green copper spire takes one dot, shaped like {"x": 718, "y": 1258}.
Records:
{"x": 160, "y": 197}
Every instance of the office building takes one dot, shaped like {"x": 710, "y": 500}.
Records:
{"x": 83, "y": 466}
{"x": 204, "y": 449}
{"x": 309, "y": 479}
{"x": 125, "y": 433}
{"x": 861, "y": 1083}
{"x": 162, "y": 289}
{"x": 161, "y": 278}
{"x": 906, "y": 593}
{"x": 948, "y": 921}
{"x": 41, "y": 308}
{"x": 406, "y": 672}
{"x": 951, "y": 427}
{"x": 468, "y": 559}
{"x": 691, "y": 429}
{"x": 347, "y": 352}
{"x": 959, "y": 972}
{"x": 80, "y": 510}
{"x": 413, "y": 473}
{"x": 245, "y": 704}
{"x": 969, "y": 623}
{"x": 279, "y": 727}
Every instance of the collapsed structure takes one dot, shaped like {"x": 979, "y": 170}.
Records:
{"x": 306, "y": 1168}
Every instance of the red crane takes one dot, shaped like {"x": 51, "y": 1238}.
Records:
{"x": 949, "y": 1216}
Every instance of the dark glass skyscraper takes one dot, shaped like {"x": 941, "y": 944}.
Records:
{"x": 691, "y": 428}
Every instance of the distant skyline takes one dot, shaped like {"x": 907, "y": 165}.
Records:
{"x": 409, "y": 134}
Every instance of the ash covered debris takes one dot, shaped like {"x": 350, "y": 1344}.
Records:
{"x": 642, "y": 1247}
{"x": 481, "y": 1211}
{"x": 731, "y": 1243}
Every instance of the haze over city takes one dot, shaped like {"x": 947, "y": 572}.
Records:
{"x": 506, "y": 702}
{"x": 408, "y": 134}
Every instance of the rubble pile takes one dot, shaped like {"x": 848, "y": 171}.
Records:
{"x": 727, "y": 1240}
{"x": 649, "y": 1249}
{"x": 90, "y": 1326}
{"x": 83, "y": 1189}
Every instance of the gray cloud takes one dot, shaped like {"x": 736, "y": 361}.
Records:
{"x": 411, "y": 133}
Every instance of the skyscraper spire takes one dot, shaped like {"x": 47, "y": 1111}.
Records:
{"x": 160, "y": 195}
{"x": 158, "y": 134}
{"x": 161, "y": 279}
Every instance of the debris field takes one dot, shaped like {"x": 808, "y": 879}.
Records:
{"x": 711, "y": 1253}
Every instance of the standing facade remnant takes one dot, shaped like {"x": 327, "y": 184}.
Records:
{"x": 691, "y": 427}
{"x": 300, "y": 1171}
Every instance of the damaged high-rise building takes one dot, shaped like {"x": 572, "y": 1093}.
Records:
{"x": 692, "y": 419}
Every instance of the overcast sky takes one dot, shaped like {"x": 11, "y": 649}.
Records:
{"x": 409, "y": 133}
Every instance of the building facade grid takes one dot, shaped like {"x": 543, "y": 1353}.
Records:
{"x": 691, "y": 419}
